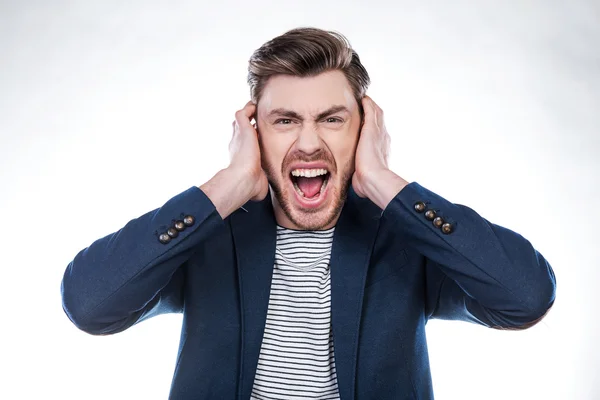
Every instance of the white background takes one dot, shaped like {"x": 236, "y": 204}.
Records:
{"x": 108, "y": 109}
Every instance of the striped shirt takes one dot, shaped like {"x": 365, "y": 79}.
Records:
{"x": 296, "y": 358}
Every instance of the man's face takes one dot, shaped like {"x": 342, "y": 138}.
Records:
{"x": 308, "y": 132}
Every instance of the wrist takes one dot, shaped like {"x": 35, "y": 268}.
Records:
{"x": 382, "y": 186}
{"x": 228, "y": 190}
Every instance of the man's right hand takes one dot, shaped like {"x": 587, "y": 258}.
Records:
{"x": 244, "y": 178}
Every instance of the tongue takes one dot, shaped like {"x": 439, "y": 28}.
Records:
{"x": 310, "y": 186}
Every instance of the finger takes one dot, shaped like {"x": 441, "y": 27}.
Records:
{"x": 372, "y": 116}
{"x": 236, "y": 130}
{"x": 243, "y": 116}
{"x": 378, "y": 112}
{"x": 370, "y": 112}
{"x": 380, "y": 119}
{"x": 248, "y": 110}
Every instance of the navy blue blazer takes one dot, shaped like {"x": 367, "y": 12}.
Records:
{"x": 391, "y": 271}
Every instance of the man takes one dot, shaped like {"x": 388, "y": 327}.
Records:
{"x": 321, "y": 290}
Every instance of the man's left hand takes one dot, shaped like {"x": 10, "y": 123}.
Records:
{"x": 372, "y": 177}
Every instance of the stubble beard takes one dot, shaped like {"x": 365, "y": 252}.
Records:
{"x": 311, "y": 219}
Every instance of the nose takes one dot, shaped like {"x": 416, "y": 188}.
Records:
{"x": 308, "y": 141}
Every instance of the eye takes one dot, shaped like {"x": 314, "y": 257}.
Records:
{"x": 283, "y": 121}
{"x": 333, "y": 120}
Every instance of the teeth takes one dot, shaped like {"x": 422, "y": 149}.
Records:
{"x": 309, "y": 173}
{"x": 298, "y": 190}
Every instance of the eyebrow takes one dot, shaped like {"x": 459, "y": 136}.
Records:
{"x": 282, "y": 112}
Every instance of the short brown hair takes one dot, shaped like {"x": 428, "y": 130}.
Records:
{"x": 306, "y": 52}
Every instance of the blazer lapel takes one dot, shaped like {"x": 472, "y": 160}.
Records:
{"x": 352, "y": 245}
{"x": 254, "y": 235}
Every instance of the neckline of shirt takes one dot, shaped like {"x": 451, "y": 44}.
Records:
{"x": 281, "y": 229}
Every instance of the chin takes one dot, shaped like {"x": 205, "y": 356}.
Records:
{"x": 313, "y": 220}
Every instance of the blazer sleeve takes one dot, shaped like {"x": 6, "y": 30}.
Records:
{"x": 131, "y": 275}
{"x": 475, "y": 271}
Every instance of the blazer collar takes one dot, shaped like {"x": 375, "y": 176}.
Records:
{"x": 254, "y": 235}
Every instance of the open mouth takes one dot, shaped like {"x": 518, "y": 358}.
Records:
{"x": 310, "y": 184}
